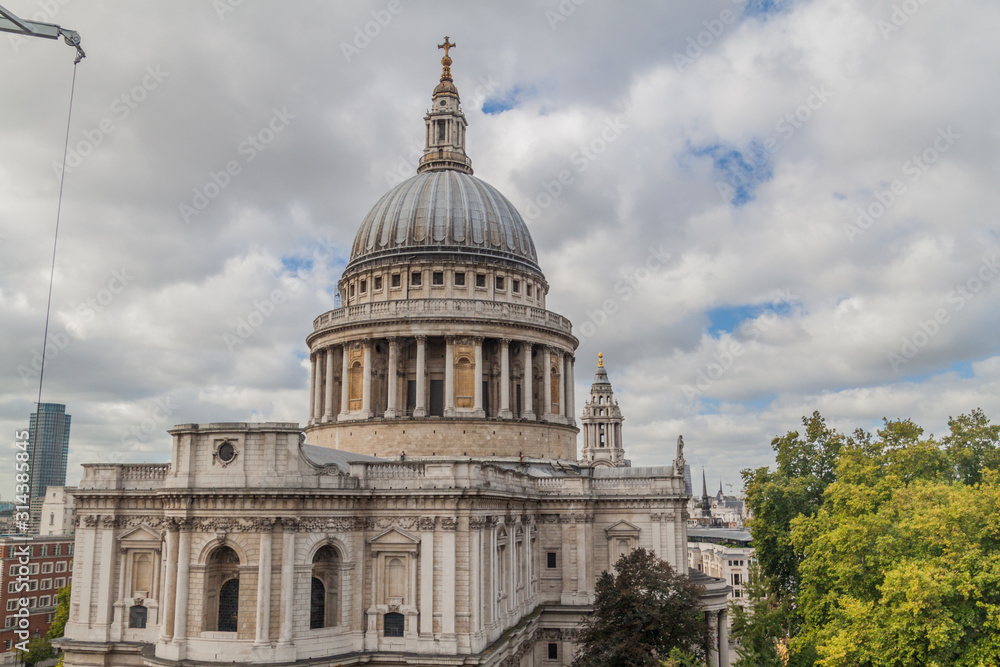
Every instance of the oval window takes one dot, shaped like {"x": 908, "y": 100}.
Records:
{"x": 227, "y": 452}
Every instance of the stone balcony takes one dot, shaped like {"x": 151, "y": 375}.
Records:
{"x": 432, "y": 309}
{"x": 429, "y": 474}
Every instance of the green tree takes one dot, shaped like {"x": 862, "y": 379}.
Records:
{"x": 58, "y": 625}
{"x": 761, "y": 625}
{"x": 973, "y": 444}
{"x": 39, "y": 650}
{"x": 642, "y": 612}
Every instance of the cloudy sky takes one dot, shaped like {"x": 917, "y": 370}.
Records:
{"x": 769, "y": 207}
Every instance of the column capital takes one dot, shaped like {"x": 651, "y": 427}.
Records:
{"x": 504, "y": 342}
{"x": 421, "y": 338}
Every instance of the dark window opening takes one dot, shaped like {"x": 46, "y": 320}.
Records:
{"x": 550, "y": 560}
{"x": 480, "y": 280}
{"x": 351, "y": 291}
{"x": 137, "y": 617}
{"x": 437, "y": 278}
{"x": 460, "y": 279}
{"x": 553, "y": 651}
{"x": 396, "y": 280}
{"x": 529, "y": 291}
{"x": 317, "y": 605}
{"x": 378, "y": 283}
{"x": 499, "y": 282}
{"x": 229, "y": 605}
{"x": 364, "y": 286}
{"x": 515, "y": 286}
{"x": 392, "y": 625}
{"x": 415, "y": 278}
{"x": 440, "y": 125}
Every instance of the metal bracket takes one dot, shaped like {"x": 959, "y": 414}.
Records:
{"x": 9, "y": 22}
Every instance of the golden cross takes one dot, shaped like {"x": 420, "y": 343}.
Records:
{"x": 446, "y": 46}
{"x": 600, "y": 360}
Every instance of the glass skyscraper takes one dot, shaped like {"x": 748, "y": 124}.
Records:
{"x": 49, "y": 447}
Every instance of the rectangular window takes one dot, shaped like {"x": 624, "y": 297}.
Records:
{"x": 440, "y": 125}
{"x": 58, "y": 550}
{"x": 515, "y": 286}
{"x": 364, "y": 286}
{"x": 60, "y": 583}
{"x": 34, "y": 568}
{"x": 529, "y": 291}
{"x": 415, "y": 278}
{"x": 46, "y": 568}
{"x": 12, "y": 605}
{"x": 553, "y": 651}
{"x": 350, "y": 292}
{"x": 43, "y": 601}
{"x": 61, "y": 566}
{"x": 13, "y": 570}
{"x": 437, "y": 278}
{"x": 393, "y": 624}
{"x": 550, "y": 560}
{"x": 70, "y": 547}
{"x": 499, "y": 283}
{"x": 46, "y": 584}
{"x": 7, "y": 645}
{"x": 45, "y": 550}
{"x": 33, "y": 585}
{"x": 460, "y": 279}
{"x": 480, "y": 280}
{"x": 378, "y": 283}
{"x": 396, "y": 280}
{"x": 10, "y": 586}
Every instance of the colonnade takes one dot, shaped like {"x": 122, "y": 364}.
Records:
{"x": 349, "y": 392}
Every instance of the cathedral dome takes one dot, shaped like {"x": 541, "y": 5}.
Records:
{"x": 444, "y": 211}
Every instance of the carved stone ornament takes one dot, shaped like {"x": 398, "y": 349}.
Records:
{"x": 426, "y": 523}
{"x": 224, "y": 452}
{"x": 449, "y": 523}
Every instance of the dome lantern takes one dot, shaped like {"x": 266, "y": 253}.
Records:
{"x": 444, "y": 144}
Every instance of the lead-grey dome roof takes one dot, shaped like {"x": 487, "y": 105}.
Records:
{"x": 444, "y": 211}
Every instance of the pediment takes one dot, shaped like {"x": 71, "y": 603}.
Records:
{"x": 140, "y": 537}
{"x": 622, "y": 528}
{"x": 394, "y": 537}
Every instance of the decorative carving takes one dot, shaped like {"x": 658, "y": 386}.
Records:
{"x": 478, "y": 522}
{"x": 90, "y": 521}
{"x": 426, "y": 523}
{"x": 449, "y": 523}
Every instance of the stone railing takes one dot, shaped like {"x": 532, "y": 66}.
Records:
{"x": 125, "y": 476}
{"x": 394, "y": 470}
{"x": 433, "y": 308}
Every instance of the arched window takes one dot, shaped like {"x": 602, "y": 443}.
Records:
{"x": 229, "y": 605}
{"x": 355, "y": 385}
{"x": 317, "y": 605}
{"x": 465, "y": 382}
{"x": 222, "y": 590}
{"x": 324, "y": 605}
{"x": 137, "y": 616}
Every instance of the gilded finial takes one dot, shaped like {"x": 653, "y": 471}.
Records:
{"x": 446, "y": 61}
{"x": 600, "y": 360}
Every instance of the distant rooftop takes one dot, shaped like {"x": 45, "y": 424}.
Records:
{"x": 719, "y": 535}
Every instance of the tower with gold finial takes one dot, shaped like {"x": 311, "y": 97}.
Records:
{"x": 444, "y": 145}
{"x": 602, "y": 423}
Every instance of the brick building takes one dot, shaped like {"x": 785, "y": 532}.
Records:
{"x": 49, "y": 562}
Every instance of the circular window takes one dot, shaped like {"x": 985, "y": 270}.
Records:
{"x": 227, "y": 452}
{"x": 443, "y": 102}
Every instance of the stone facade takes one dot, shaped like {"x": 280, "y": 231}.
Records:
{"x": 438, "y": 515}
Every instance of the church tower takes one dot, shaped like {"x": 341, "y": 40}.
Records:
{"x": 602, "y": 423}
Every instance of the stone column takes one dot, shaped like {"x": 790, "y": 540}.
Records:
{"x": 366, "y": 386}
{"x": 392, "y": 397}
{"x": 287, "y": 585}
{"x": 546, "y": 382}
{"x": 723, "y": 639}
{"x": 477, "y": 387}
{"x": 561, "y": 356}
{"x": 318, "y": 387}
{"x": 448, "y": 527}
{"x": 328, "y": 408}
{"x": 505, "y": 412}
{"x": 427, "y": 577}
{"x": 527, "y": 398}
{"x": 475, "y": 577}
{"x": 713, "y": 631}
{"x": 420, "y": 410}
{"x": 345, "y": 390}
{"x": 264, "y": 589}
{"x": 312, "y": 387}
{"x": 169, "y": 586}
{"x": 582, "y": 550}
{"x": 570, "y": 389}
{"x": 183, "y": 583}
{"x": 449, "y": 376}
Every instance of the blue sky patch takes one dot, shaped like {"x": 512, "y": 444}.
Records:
{"x": 293, "y": 265}
{"x": 738, "y": 173}
{"x": 762, "y": 9}
{"x": 727, "y": 319}
{"x": 504, "y": 100}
